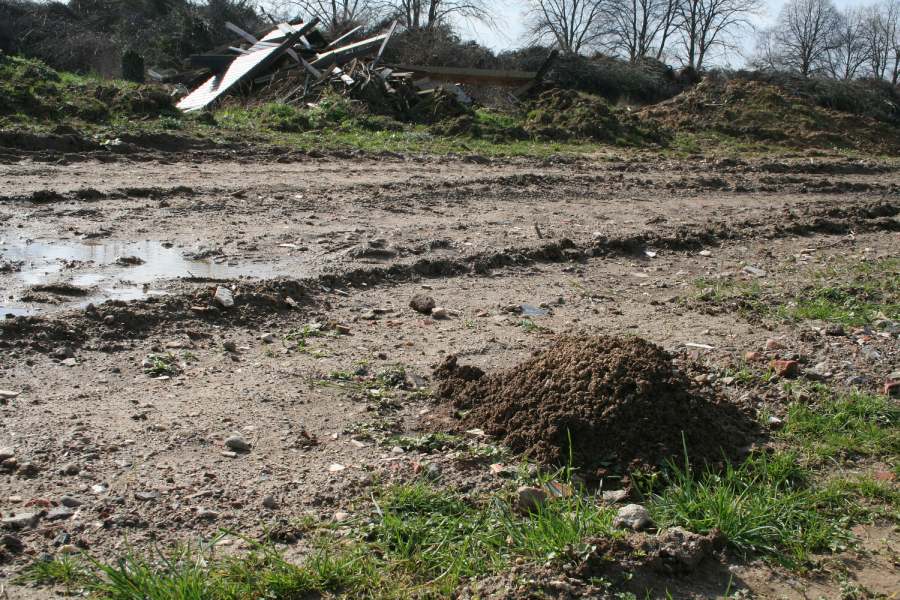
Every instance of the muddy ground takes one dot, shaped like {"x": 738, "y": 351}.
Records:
{"x": 608, "y": 244}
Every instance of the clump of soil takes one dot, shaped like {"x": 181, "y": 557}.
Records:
{"x": 767, "y": 112}
{"x": 605, "y": 404}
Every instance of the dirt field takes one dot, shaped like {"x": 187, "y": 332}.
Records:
{"x": 515, "y": 251}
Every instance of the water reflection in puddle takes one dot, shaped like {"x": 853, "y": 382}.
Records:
{"x": 45, "y": 262}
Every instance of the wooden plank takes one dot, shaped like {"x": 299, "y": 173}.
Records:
{"x": 235, "y": 29}
{"x": 340, "y": 55}
{"x": 244, "y": 66}
{"x": 343, "y": 38}
{"x": 472, "y": 76}
{"x": 383, "y": 45}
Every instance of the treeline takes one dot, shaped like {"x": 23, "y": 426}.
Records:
{"x": 813, "y": 37}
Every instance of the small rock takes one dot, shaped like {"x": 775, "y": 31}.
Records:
{"x": 59, "y": 513}
{"x": 422, "y": 304}
{"x": 773, "y": 344}
{"x": 774, "y": 422}
{"x": 614, "y": 496}
{"x": 752, "y": 356}
{"x": 340, "y": 516}
{"x": 129, "y": 261}
{"x": 229, "y": 346}
{"x": 433, "y": 471}
{"x": 785, "y": 368}
{"x": 70, "y": 502}
{"x": 205, "y": 514}
{"x": 8, "y": 395}
{"x": 439, "y": 313}
{"x": 633, "y": 516}
{"x": 69, "y": 362}
{"x": 70, "y": 469}
{"x": 6, "y": 453}
{"x": 529, "y": 499}
{"x": 683, "y": 551}
{"x": 336, "y": 468}
{"x": 20, "y": 521}
{"x": 28, "y": 469}
{"x": 69, "y": 549}
{"x": 268, "y": 338}
{"x": 858, "y": 381}
{"x": 270, "y": 502}
{"x": 755, "y": 271}
{"x": 11, "y": 543}
{"x": 146, "y": 496}
{"x": 835, "y": 330}
{"x": 397, "y": 450}
{"x": 237, "y": 443}
{"x": 224, "y": 297}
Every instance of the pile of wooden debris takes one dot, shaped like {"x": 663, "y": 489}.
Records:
{"x": 296, "y": 64}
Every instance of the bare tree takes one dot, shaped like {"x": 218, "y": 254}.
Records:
{"x": 430, "y": 14}
{"x": 640, "y": 28}
{"x": 336, "y": 16}
{"x": 882, "y": 31}
{"x": 708, "y": 26}
{"x": 570, "y": 25}
{"x": 804, "y": 35}
{"x": 892, "y": 18}
{"x": 848, "y": 53}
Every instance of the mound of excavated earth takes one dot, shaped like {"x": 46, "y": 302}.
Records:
{"x": 605, "y": 404}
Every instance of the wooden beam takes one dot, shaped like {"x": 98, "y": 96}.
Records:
{"x": 472, "y": 76}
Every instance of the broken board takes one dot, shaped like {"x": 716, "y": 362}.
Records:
{"x": 246, "y": 65}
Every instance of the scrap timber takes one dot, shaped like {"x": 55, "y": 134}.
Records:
{"x": 295, "y": 63}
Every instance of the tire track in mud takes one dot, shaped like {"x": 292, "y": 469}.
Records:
{"x": 114, "y": 321}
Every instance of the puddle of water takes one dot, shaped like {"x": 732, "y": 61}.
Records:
{"x": 533, "y": 311}
{"x": 46, "y": 262}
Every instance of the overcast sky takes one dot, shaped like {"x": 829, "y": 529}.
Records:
{"x": 511, "y": 28}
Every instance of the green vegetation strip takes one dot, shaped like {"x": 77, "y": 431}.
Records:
{"x": 851, "y": 294}
{"x": 420, "y": 540}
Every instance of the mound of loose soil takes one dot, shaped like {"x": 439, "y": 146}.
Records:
{"x": 566, "y": 114}
{"x": 759, "y": 111}
{"x": 616, "y": 404}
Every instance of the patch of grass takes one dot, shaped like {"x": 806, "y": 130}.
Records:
{"x": 529, "y": 326}
{"x": 766, "y": 505}
{"x": 747, "y": 297}
{"x": 161, "y": 365}
{"x": 440, "y": 537}
{"x": 850, "y": 294}
{"x": 65, "y": 570}
{"x": 201, "y": 575}
{"x": 299, "y": 337}
{"x": 838, "y": 426}
{"x": 419, "y": 542}
{"x": 861, "y": 498}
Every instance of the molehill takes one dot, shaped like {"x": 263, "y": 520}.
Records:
{"x": 605, "y": 405}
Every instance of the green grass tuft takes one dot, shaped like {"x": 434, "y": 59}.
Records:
{"x": 838, "y": 426}
{"x": 764, "y": 506}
